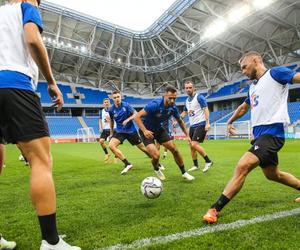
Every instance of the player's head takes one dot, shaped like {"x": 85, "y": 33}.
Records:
{"x": 34, "y": 2}
{"x": 189, "y": 87}
{"x": 250, "y": 63}
{"x": 170, "y": 95}
{"x": 106, "y": 102}
{"x": 117, "y": 97}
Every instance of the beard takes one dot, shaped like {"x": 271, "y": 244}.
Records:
{"x": 253, "y": 74}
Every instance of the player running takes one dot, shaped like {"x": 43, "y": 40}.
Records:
{"x": 154, "y": 114}
{"x": 122, "y": 113}
{"x": 104, "y": 125}
{"x": 267, "y": 99}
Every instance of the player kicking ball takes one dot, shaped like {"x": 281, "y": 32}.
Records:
{"x": 150, "y": 120}
{"x": 267, "y": 99}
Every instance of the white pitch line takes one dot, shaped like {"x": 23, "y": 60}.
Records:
{"x": 200, "y": 231}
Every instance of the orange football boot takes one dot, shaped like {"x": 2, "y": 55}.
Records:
{"x": 211, "y": 216}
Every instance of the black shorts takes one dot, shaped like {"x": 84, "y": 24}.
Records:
{"x": 161, "y": 136}
{"x": 22, "y": 117}
{"x": 105, "y": 134}
{"x": 197, "y": 133}
{"x": 265, "y": 148}
{"x": 133, "y": 138}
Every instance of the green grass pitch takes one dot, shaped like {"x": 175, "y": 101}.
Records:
{"x": 97, "y": 207}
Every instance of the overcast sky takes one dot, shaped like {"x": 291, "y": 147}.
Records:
{"x": 137, "y": 15}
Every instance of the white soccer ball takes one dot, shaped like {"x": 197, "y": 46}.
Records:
{"x": 21, "y": 158}
{"x": 151, "y": 187}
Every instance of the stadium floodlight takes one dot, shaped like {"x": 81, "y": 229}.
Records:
{"x": 83, "y": 49}
{"x": 77, "y": 48}
{"x": 44, "y": 38}
{"x": 119, "y": 60}
{"x": 49, "y": 40}
{"x": 69, "y": 45}
{"x": 215, "y": 29}
{"x": 260, "y": 4}
{"x": 193, "y": 44}
{"x": 238, "y": 13}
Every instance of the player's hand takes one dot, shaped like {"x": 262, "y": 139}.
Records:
{"x": 125, "y": 122}
{"x": 207, "y": 126}
{"x": 231, "y": 129}
{"x": 56, "y": 96}
{"x": 148, "y": 134}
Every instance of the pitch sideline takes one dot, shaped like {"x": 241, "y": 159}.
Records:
{"x": 200, "y": 231}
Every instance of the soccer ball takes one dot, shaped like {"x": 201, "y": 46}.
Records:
{"x": 21, "y": 158}
{"x": 151, "y": 187}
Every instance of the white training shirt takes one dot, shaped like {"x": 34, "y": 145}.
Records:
{"x": 195, "y": 108}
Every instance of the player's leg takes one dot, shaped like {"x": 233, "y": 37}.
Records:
{"x": 248, "y": 162}
{"x": 274, "y": 174}
{"x": 198, "y": 137}
{"x": 42, "y": 191}
{"x": 170, "y": 145}
{"x": 114, "y": 143}
{"x": 155, "y": 155}
{"x": 142, "y": 147}
{"x": 113, "y": 146}
{"x": 195, "y": 160}
{"x": 103, "y": 146}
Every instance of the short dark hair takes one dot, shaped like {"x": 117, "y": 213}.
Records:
{"x": 250, "y": 53}
{"x": 171, "y": 89}
{"x": 116, "y": 92}
{"x": 105, "y": 99}
{"x": 39, "y": 2}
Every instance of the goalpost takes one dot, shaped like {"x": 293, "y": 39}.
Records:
{"x": 219, "y": 131}
{"x": 86, "y": 135}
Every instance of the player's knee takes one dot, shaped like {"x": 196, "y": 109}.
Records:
{"x": 242, "y": 169}
{"x": 112, "y": 147}
{"x": 272, "y": 176}
{"x": 194, "y": 144}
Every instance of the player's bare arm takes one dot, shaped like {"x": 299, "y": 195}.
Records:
{"x": 183, "y": 128}
{"x": 296, "y": 78}
{"x": 100, "y": 125}
{"x": 206, "y": 113}
{"x": 239, "y": 112}
{"x": 183, "y": 114}
{"x": 40, "y": 56}
{"x": 130, "y": 118}
{"x": 137, "y": 118}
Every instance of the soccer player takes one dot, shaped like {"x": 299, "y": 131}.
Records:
{"x": 22, "y": 120}
{"x": 154, "y": 114}
{"x": 197, "y": 110}
{"x": 267, "y": 99}
{"x": 104, "y": 125}
{"x": 122, "y": 113}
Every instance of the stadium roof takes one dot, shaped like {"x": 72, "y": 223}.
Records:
{"x": 139, "y": 14}
{"x": 198, "y": 39}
